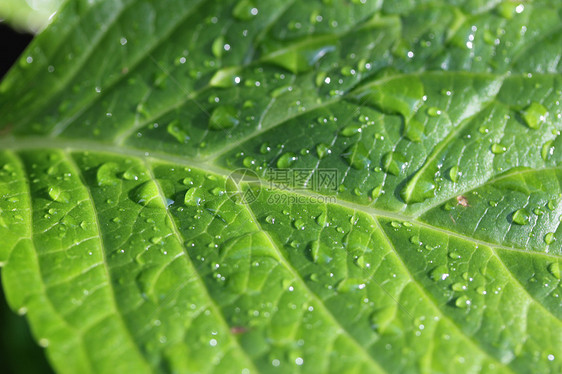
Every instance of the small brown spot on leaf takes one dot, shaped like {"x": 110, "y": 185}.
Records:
{"x": 462, "y": 201}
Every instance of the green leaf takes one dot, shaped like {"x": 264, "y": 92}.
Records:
{"x": 316, "y": 186}
{"x": 30, "y": 16}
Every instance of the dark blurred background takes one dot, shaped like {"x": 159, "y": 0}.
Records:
{"x": 19, "y": 354}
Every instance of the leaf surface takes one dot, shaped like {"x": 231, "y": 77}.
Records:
{"x": 146, "y": 221}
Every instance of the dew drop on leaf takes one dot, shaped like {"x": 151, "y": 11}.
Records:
{"x": 549, "y": 238}
{"x": 350, "y": 130}
{"x": 498, "y": 148}
{"x": 318, "y": 252}
{"x": 322, "y": 150}
{"x": 193, "y": 197}
{"x": 265, "y": 148}
{"x": 299, "y": 224}
{"x": 462, "y": 302}
{"x": 217, "y": 191}
{"x": 458, "y": 287}
{"x": 534, "y": 115}
{"x": 413, "y": 130}
{"x": 58, "y": 195}
{"x": 249, "y": 161}
{"x": 376, "y": 192}
{"x": 106, "y": 174}
{"x": 547, "y": 150}
{"x": 131, "y": 174}
{"x": 224, "y": 78}
{"x": 441, "y": 272}
{"x": 554, "y": 269}
{"x": 223, "y": 117}
{"x": 244, "y": 10}
{"x": 521, "y": 216}
{"x": 415, "y": 240}
{"x": 350, "y": 285}
{"x": 177, "y": 132}
{"x": 381, "y": 318}
{"x": 322, "y": 219}
{"x": 286, "y": 160}
{"x": 393, "y": 163}
{"x": 361, "y": 262}
{"x": 433, "y": 112}
{"x": 146, "y": 194}
{"x": 357, "y": 156}
{"x": 454, "y": 174}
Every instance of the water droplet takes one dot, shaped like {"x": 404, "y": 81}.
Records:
{"x": 106, "y": 174}
{"x": 534, "y": 115}
{"x": 280, "y": 91}
{"x": 376, "y": 192}
{"x": 413, "y": 130}
{"x": 381, "y": 318}
{"x": 223, "y": 117}
{"x": 462, "y": 302}
{"x": 249, "y": 161}
{"x": 318, "y": 252}
{"x": 350, "y": 130}
{"x": 58, "y": 195}
{"x": 299, "y": 224}
{"x": 193, "y": 197}
{"x": 552, "y": 204}
{"x": 218, "y": 46}
{"x": 322, "y": 219}
{"x": 357, "y": 156}
{"x": 224, "y": 78}
{"x": 174, "y": 129}
{"x": 322, "y": 150}
{"x": 286, "y": 160}
{"x": 547, "y": 150}
{"x": 350, "y": 285}
{"x": 417, "y": 191}
{"x": 362, "y": 263}
{"x": 434, "y": 112}
{"x": 217, "y": 191}
{"x": 301, "y": 56}
{"x": 458, "y": 287}
{"x": 454, "y": 174}
{"x": 549, "y": 238}
{"x": 146, "y": 194}
{"x": 270, "y": 219}
{"x": 393, "y": 163}
{"x": 245, "y": 10}
{"x": 498, "y": 148}
{"x": 441, "y": 272}
{"x": 554, "y": 269}
{"x": 454, "y": 255}
{"x": 521, "y": 216}
{"x": 265, "y": 148}
{"x": 131, "y": 174}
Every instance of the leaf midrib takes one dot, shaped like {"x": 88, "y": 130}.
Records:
{"x": 37, "y": 143}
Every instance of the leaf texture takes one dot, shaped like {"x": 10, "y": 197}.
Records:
{"x": 126, "y": 240}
